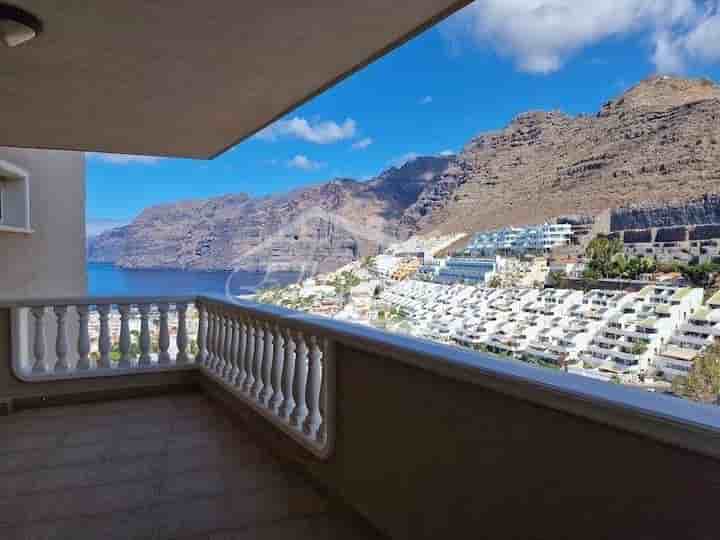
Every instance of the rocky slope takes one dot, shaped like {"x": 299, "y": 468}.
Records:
{"x": 317, "y": 228}
{"x": 696, "y": 211}
{"x": 658, "y": 143}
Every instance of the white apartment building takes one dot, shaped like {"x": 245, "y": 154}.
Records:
{"x": 699, "y": 331}
{"x": 537, "y": 238}
{"x": 634, "y": 335}
{"x": 598, "y": 333}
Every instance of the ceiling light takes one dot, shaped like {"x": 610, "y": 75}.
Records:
{"x": 17, "y": 26}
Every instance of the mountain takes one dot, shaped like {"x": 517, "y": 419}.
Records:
{"x": 656, "y": 144}
{"x": 317, "y": 228}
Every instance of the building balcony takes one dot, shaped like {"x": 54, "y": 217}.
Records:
{"x": 286, "y": 425}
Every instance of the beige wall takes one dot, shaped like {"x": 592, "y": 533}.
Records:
{"x": 427, "y": 457}
{"x": 50, "y": 262}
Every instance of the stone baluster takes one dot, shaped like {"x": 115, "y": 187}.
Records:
{"x": 201, "y": 355}
{"x": 242, "y": 350}
{"x": 104, "y": 338}
{"x": 288, "y": 377}
{"x": 276, "y": 399}
{"x": 164, "y": 335}
{"x": 228, "y": 348}
{"x": 61, "y": 340}
{"x": 39, "y": 365}
{"x": 250, "y": 360}
{"x": 300, "y": 383}
{"x": 124, "y": 344}
{"x": 268, "y": 359}
{"x": 220, "y": 352}
{"x": 145, "y": 359}
{"x": 314, "y": 382}
{"x": 234, "y": 351}
{"x": 83, "y": 339}
{"x": 182, "y": 336}
{"x": 258, "y": 364}
{"x": 210, "y": 359}
{"x": 322, "y": 431}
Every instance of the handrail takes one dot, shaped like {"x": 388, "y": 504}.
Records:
{"x": 672, "y": 420}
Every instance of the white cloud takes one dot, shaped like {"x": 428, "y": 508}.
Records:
{"x": 123, "y": 159}
{"x": 362, "y": 144}
{"x": 326, "y": 132}
{"x": 698, "y": 42}
{"x": 446, "y": 153}
{"x": 405, "y": 158}
{"x": 304, "y": 163}
{"x": 540, "y": 35}
{"x": 426, "y": 100}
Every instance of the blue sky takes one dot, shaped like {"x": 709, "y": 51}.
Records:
{"x": 470, "y": 74}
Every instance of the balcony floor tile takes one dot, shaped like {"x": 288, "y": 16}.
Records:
{"x": 161, "y": 467}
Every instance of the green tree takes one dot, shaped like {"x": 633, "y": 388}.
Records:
{"x": 553, "y": 278}
{"x": 703, "y": 382}
{"x": 600, "y": 253}
{"x": 495, "y": 282}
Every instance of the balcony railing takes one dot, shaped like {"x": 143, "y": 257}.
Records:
{"x": 278, "y": 366}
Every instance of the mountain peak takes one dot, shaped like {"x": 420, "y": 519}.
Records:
{"x": 664, "y": 92}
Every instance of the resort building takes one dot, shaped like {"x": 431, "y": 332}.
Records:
{"x": 467, "y": 270}
{"x": 633, "y": 336}
{"x": 694, "y": 335}
{"x": 519, "y": 240}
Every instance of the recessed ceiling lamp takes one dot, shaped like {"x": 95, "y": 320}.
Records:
{"x": 17, "y": 26}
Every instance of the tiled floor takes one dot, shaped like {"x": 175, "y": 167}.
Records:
{"x": 166, "y": 467}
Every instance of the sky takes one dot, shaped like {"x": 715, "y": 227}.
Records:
{"x": 471, "y": 73}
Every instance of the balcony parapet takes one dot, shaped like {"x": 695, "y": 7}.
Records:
{"x": 668, "y": 419}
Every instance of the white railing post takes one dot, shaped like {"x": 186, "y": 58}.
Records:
{"x": 104, "y": 339}
{"x": 250, "y": 360}
{"x": 39, "y": 340}
{"x": 268, "y": 358}
{"x": 227, "y": 347}
{"x": 83, "y": 339}
{"x": 234, "y": 351}
{"x": 211, "y": 331}
{"x": 182, "y": 337}
{"x": 61, "y": 341}
{"x": 276, "y": 399}
{"x": 164, "y": 334}
{"x": 219, "y": 365}
{"x": 299, "y": 388}
{"x": 288, "y": 405}
{"x": 242, "y": 375}
{"x": 145, "y": 359}
{"x": 201, "y": 356}
{"x": 259, "y": 352}
{"x": 315, "y": 373}
{"x": 124, "y": 344}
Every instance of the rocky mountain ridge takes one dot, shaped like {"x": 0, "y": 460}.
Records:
{"x": 656, "y": 144}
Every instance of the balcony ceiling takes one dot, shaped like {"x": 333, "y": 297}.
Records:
{"x": 187, "y": 79}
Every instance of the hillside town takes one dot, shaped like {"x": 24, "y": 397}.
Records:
{"x": 618, "y": 307}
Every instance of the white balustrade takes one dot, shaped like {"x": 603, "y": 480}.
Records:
{"x": 97, "y": 338}
{"x": 282, "y": 371}
{"x": 278, "y": 365}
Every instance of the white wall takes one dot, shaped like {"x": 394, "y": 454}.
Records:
{"x": 50, "y": 262}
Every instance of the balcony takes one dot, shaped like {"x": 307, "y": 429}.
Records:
{"x": 285, "y": 425}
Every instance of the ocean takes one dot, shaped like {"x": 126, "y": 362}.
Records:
{"x": 109, "y": 280}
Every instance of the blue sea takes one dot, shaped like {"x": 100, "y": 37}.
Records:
{"x": 110, "y": 280}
